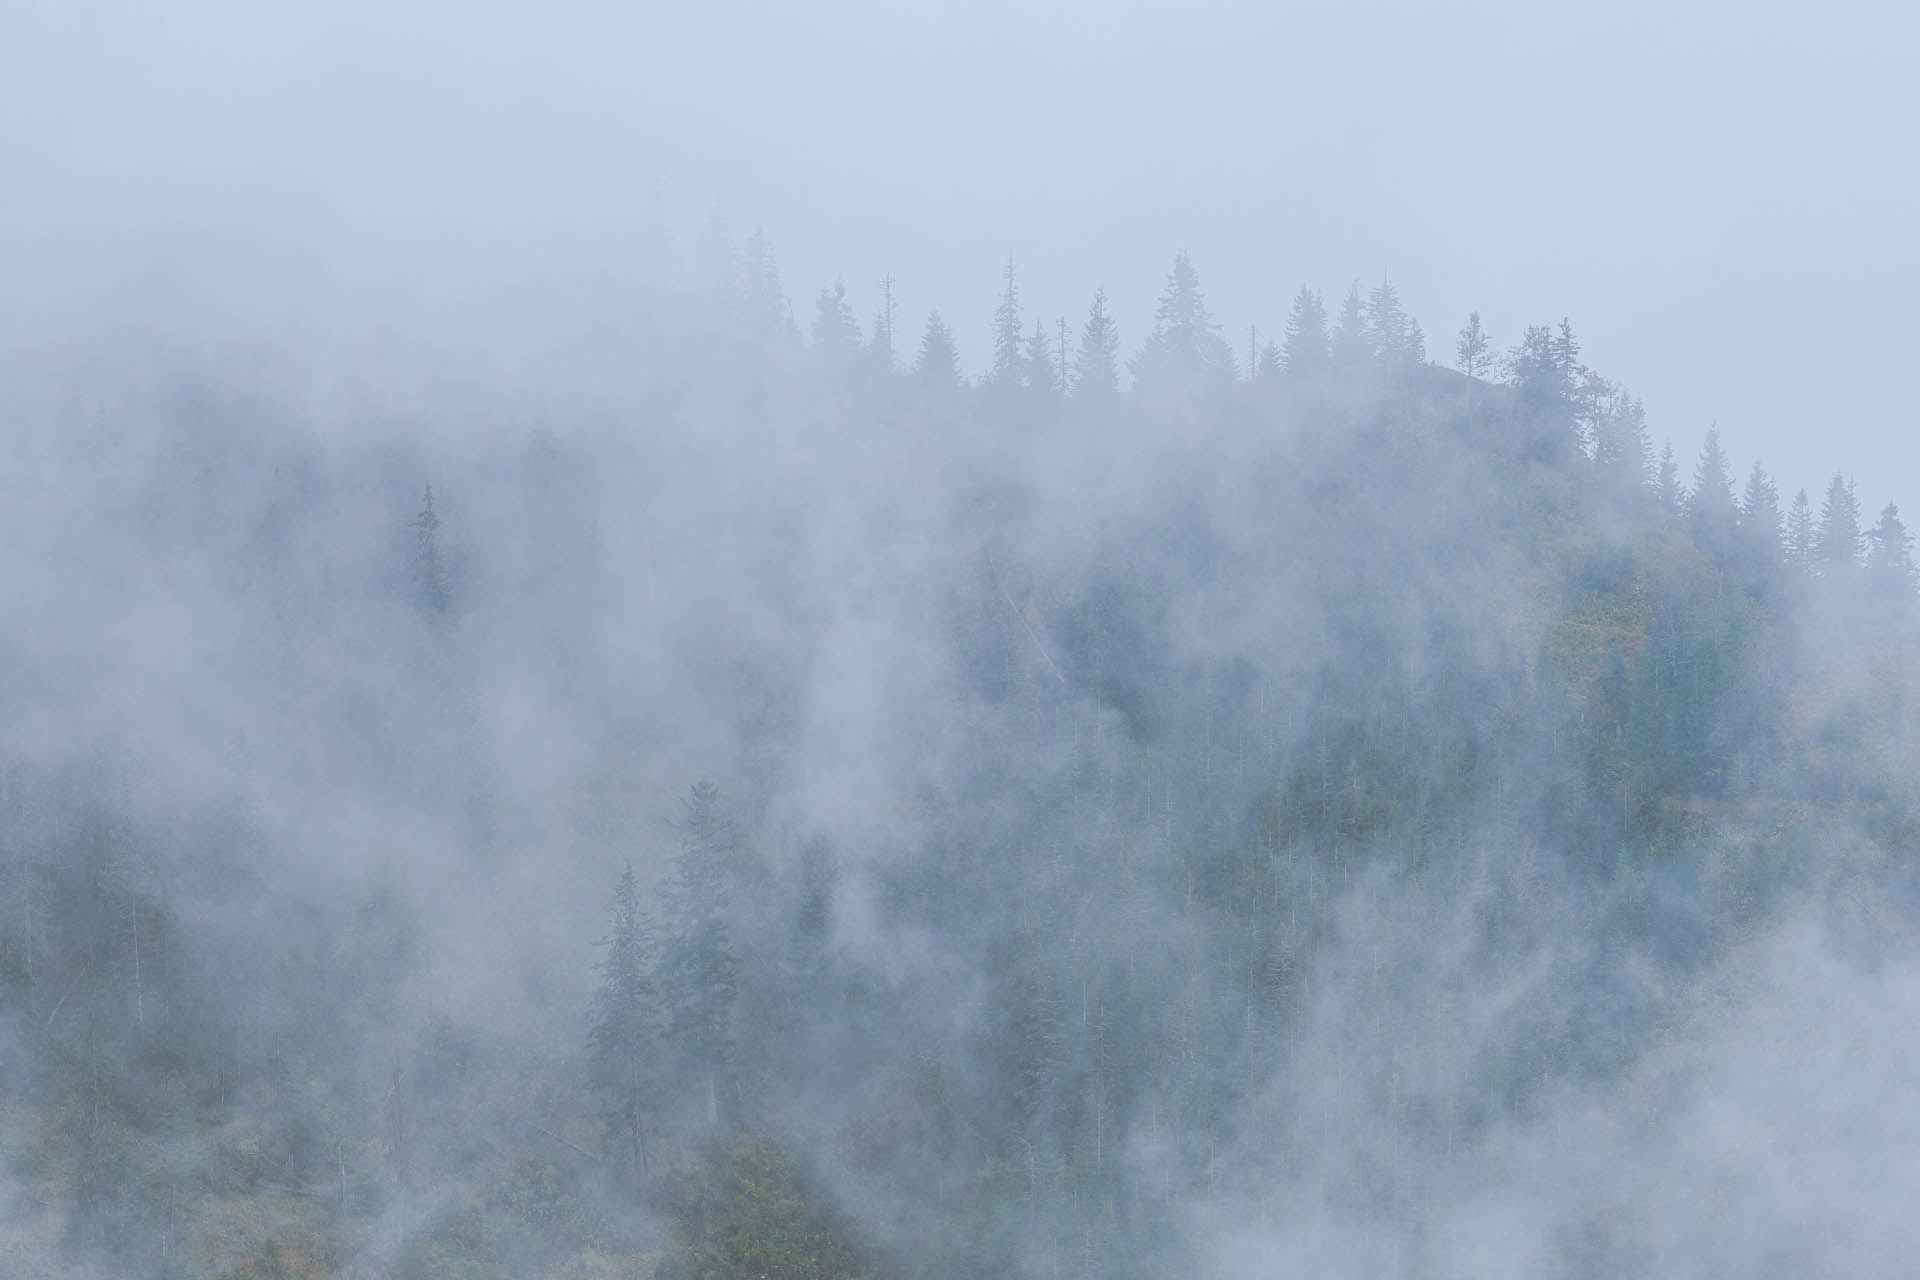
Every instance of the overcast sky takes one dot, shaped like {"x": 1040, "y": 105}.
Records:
{"x": 1721, "y": 196}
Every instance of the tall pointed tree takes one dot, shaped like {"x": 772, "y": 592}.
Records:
{"x": 768, "y": 313}
{"x": 1096, "y": 368}
{"x": 1304, "y": 354}
{"x": 1710, "y": 505}
{"x": 835, "y": 331}
{"x": 1352, "y": 352}
{"x": 1185, "y": 345}
{"x": 1622, "y": 451}
{"x": 1666, "y": 486}
{"x": 1008, "y": 356}
{"x": 1801, "y": 537}
{"x": 432, "y": 584}
{"x": 1039, "y": 365}
{"x": 1837, "y": 544}
{"x": 623, "y": 1045}
{"x": 1390, "y": 331}
{"x": 1890, "y": 553}
{"x": 698, "y": 968}
{"x": 939, "y": 363}
{"x": 1270, "y": 364}
{"x": 1760, "y": 518}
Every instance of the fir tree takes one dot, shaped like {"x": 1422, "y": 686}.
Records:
{"x": 880, "y": 348}
{"x": 835, "y": 331}
{"x": 1351, "y": 352}
{"x": 1039, "y": 363}
{"x": 1837, "y": 544}
{"x": 1800, "y": 532}
{"x": 1621, "y": 449}
{"x": 433, "y": 585}
{"x": 939, "y": 362}
{"x": 623, "y": 1045}
{"x": 1890, "y": 552}
{"x": 1270, "y": 363}
{"x": 1710, "y": 506}
{"x": 1391, "y": 333}
{"x": 1096, "y": 369}
{"x": 1666, "y": 487}
{"x": 1185, "y": 344}
{"x": 1305, "y": 353}
{"x": 768, "y": 314}
{"x": 1760, "y": 517}
{"x": 698, "y": 968}
{"x": 1008, "y": 363}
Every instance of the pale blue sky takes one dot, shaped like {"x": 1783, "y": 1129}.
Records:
{"x": 1722, "y": 197}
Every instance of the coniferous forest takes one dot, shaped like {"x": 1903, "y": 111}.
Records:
{"x": 1342, "y": 804}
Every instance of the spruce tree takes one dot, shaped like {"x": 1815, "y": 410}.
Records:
{"x": 1800, "y": 532}
{"x": 1666, "y": 487}
{"x": 1837, "y": 544}
{"x": 1760, "y": 518}
{"x": 1890, "y": 552}
{"x": 768, "y": 314}
{"x": 939, "y": 363}
{"x": 1096, "y": 368}
{"x": 623, "y": 1045}
{"x": 835, "y": 331}
{"x": 1270, "y": 363}
{"x": 1305, "y": 354}
{"x": 1392, "y": 334}
{"x": 1351, "y": 352}
{"x": 1008, "y": 363}
{"x": 1710, "y": 506}
{"x": 1039, "y": 362}
{"x": 699, "y": 972}
{"x": 1185, "y": 345}
{"x": 433, "y": 585}
{"x": 1621, "y": 450}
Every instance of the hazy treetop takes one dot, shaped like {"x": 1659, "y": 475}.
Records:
{"x": 1708, "y": 189}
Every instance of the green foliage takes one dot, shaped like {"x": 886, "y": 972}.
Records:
{"x": 746, "y": 1212}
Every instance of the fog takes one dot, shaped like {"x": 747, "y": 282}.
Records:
{"x": 1709, "y": 191}
{"x": 1322, "y": 811}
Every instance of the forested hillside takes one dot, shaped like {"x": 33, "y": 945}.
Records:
{"x": 773, "y": 805}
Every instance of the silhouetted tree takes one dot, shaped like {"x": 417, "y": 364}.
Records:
{"x": 624, "y": 1044}
{"x": 1039, "y": 366}
{"x": 1473, "y": 350}
{"x": 939, "y": 362}
{"x": 1621, "y": 449}
{"x": 1008, "y": 359}
{"x": 1801, "y": 538}
{"x": 1890, "y": 552}
{"x": 835, "y": 331}
{"x": 1185, "y": 344}
{"x": 1760, "y": 519}
{"x": 1394, "y": 336}
{"x": 1351, "y": 352}
{"x": 1305, "y": 353}
{"x": 1666, "y": 486}
{"x": 699, "y": 972}
{"x": 433, "y": 585}
{"x": 768, "y": 313}
{"x": 1710, "y": 505}
{"x": 1096, "y": 369}
{"x": 1837, "y": 544}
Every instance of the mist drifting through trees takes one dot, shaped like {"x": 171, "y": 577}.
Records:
{"x": 781, "y": 802}
{"x": 532, "y": 749}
